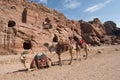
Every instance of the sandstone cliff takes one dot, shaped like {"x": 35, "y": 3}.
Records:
{"x": 21, "y": 20}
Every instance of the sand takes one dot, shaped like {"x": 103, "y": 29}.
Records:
{"x": 103, "y": 63}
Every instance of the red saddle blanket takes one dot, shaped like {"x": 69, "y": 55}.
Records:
{"x": 39, "y": 61}
{"x": 82, "y": 43}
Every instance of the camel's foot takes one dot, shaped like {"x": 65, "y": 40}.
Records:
{"x": 85, "y": 58}
{"x": 76, "y": 59}
{"x": 80, "y": 59}
{"x": 60, "y": 64}
{"x": 69, "y": 63}
{"x": 52, "y": 64}
{"x": 31, "y": 69}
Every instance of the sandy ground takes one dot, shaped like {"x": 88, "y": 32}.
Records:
{"x": 103, "y": 63}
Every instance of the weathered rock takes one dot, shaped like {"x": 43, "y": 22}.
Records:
{"x": 109, "y": 27}
{"x": 90, "y": 33}
{"x": 29, "y": 18}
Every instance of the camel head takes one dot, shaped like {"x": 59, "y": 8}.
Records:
{"x": 24, "y": 60}
{"x": 50, "y": 47}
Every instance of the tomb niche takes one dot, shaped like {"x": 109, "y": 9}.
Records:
{"x": 24, "y": 15}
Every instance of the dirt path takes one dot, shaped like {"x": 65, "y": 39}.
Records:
{"x": 104, "y": 65}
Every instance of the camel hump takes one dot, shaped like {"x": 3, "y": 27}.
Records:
{"x": 61, "y": 42}
{"x": 62, "y": 46}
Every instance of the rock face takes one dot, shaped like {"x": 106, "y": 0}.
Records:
{"x": 29, "y": 19}
{"x": 21, "y": 20}
{"x": 110, "y": 27}
{"x": 92, "y": 31}
{"x": 113, "y": 31}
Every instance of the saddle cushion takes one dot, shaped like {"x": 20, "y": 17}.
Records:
{"x": 82, "y": 43}
{"x": 33, "y": 64}
{"x": 41, "y": 61}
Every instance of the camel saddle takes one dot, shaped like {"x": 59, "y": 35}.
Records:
{"x": 82, "y": 43}
{"x": 41, "y": 61}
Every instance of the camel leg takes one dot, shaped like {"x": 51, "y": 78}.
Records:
{"x": 77, "y": 51}
{"x": 71, "y": 54}
{"x": 86, "y": 50}
{"x": 80, "y": 54}
{"x": 77, "y": 55}
{"x": 59, "y": 62}
{"x": 24, "y": 63}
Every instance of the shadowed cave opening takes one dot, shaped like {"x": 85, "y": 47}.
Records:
{"x": 11, "y": 23}
{"x": 27, "y": 44}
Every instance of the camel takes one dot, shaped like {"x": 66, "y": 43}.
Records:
{"x": 33, "y": 64}
{"x": 80, "y": 46}
{"x": 63, "y": 46}
{"x": 59, "y": 48}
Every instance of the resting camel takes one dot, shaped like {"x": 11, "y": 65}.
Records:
{"x": 32, "y": 65}
{"x": 63, "y": 46}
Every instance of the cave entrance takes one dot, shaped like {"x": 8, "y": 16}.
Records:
{"x": 27, "y": 45}
{"x": 24, "y": 15}
{"x": 11, "y": 23}
{"x": 55, "y": 38}
{"x": 47, "y": 24}
{"x": 9, "y": 38}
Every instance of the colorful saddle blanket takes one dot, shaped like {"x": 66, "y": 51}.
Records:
{"x": 39, "y": 61}
{"x": 82, "y": 43}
